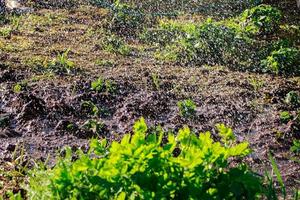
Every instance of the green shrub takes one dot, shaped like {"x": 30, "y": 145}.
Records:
{"x": 292, "y": 98}
{"x": 115, "y": 44}
{"x": 210, "y": 43}
{"x": 142, "y": 166}
{"x": 285, "y": 61}
{"x": 262, "y": 19}
{"x": 187, "y": 108}
{"x": 126, "y": 19}
{"x": 167, "y": 31}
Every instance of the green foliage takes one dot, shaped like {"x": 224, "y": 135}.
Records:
{"x": 262, "y": 19}
{"x": 94, "y": 126}
{"x": 62, "y": 64}
{"x": 17, "y": 88}
{"x": 285, "y": 116}
{"x": 168, "y": 31}
{"x": 142, "y": 166}
{"x": 91, "y": 108}
{"x": 296, "y": 147}
{"x": 13, "y": 26}
{"x": 285, "y": 61}
{"x": 98, "y": 85}
{"x": 209, "y": 43}
{"x": 155, "y": 81}
{"x": 101, "y": 85}
{"x": 126, "y": 19}
{"x": 115, "y": 44}
{"x": 187, "y": 108}
{"x": 292, "y": 98}
{"x": 278, "y": 175}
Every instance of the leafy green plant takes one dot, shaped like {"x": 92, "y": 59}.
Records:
{"x": 285, "y": 116}
{"x": 211, "y": 43}
{"x": 262, "y": 19}
{"x": 126, "y": 19}
{"x": 115, "y": 44}
{"x": 285, "y": 61}
{"x": 91, "y": 108}
{"x": 7, "y": 31}
{"x": 98, "y": 85}
{"x": 256, "y": 84}
{"x": 142, "y": 166}
{"x": 187, "y": 108}
{"x": 94, "y": 126}
{"x": 17, "y": 88}
{"x": 62, "y": 64}
{"x": 292, "y": 98}
{"x": 101, "y": 85}
{"x": 296, "y": 147}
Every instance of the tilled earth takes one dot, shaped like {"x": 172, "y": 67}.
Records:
{"x": 38, "y": 117}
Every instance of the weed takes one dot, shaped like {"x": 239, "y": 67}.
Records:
{"x": 296, "y": 147}
{"x": 98, "y": 85}
{"x": 115, "y": 44}
{"x": 187, "y": 108}
{"x": 94, "y": 126}
{"x": 155, "y": 81}
{"x": 292, "y": 98}
{"x": 91, "y": 108}
{"x": 105, "y": 63}
{"x": 256, "y": 84}
{"x": 61, "y": 64}
{"x": 285, "y": 116}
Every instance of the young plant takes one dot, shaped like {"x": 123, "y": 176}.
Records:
{"x": 187, "y": 108}
{"x": 61, "y": 64}
{"x": 101, "y": 85}
{"x": 296, "y": 147}
{"x": 98, "y": 85}
{"x": 155, "y": 81}
{"x": 142, "y": 166}
{"x": 91, "y": 108}
{"x": 115, "y": 44}
{"x": 94, "y": 126}
{"x": 285, "y": 117}
{"x": 292, "y": 98}
{"x": 126, "y": 19}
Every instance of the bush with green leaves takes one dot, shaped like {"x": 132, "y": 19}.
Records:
{"x": 285, "y": 61}
{"x": 115, "y": 44}
{"x": 142, "y": 166}
{"x": 167, "y": 31}
{"x": 262, "y": 19}
{"x": 187, "y": 108}
{"x": 126, "y": 19}
{"x": 209, "y": 43}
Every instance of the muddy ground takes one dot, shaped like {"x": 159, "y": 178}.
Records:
{"x": 47, "y": 112}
